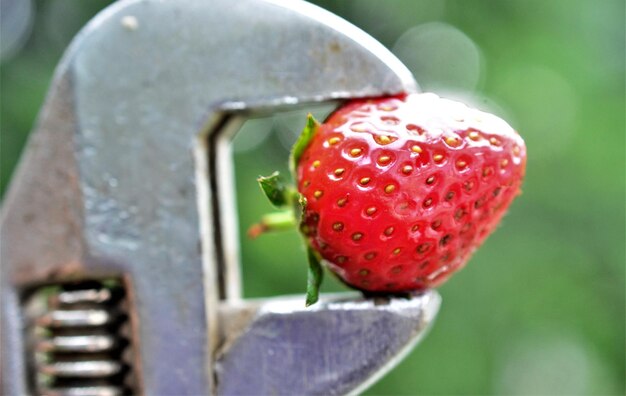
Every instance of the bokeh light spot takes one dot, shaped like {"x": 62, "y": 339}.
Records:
{"x": 441, "y": 57}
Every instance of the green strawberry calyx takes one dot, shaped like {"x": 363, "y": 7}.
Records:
{"x": 291, "y": 205}
{"x": 307, "y": 134}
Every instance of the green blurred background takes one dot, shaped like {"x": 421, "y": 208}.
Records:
{"x": 540, "y": 309}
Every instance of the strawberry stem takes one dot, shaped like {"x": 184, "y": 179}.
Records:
{"x": 277, "y": 221}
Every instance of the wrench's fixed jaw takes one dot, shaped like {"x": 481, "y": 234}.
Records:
{"x": 120, "y": 182}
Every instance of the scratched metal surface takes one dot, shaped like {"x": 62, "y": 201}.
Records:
{"x": 110, "y": 181}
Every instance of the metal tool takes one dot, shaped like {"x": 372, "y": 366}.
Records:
{"x": 120, "y": 268}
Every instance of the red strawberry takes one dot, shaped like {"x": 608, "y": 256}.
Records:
{"x": 400, "y": 191}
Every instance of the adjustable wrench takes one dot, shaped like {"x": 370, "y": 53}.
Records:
{"x": 121, "y": 215}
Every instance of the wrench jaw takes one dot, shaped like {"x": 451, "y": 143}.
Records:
{"x": 283, "y": 343}
{"x": 128, "y": 176}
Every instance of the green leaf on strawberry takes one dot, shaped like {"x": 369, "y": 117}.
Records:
{"x": 305, "y": 138}
{"x": 314, "y": 277}
{"x": 275, "y": 189}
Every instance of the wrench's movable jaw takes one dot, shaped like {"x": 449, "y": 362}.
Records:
{"x": 127, "y": 176}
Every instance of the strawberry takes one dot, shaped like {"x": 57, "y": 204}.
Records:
{"x": 396, "y": 193}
